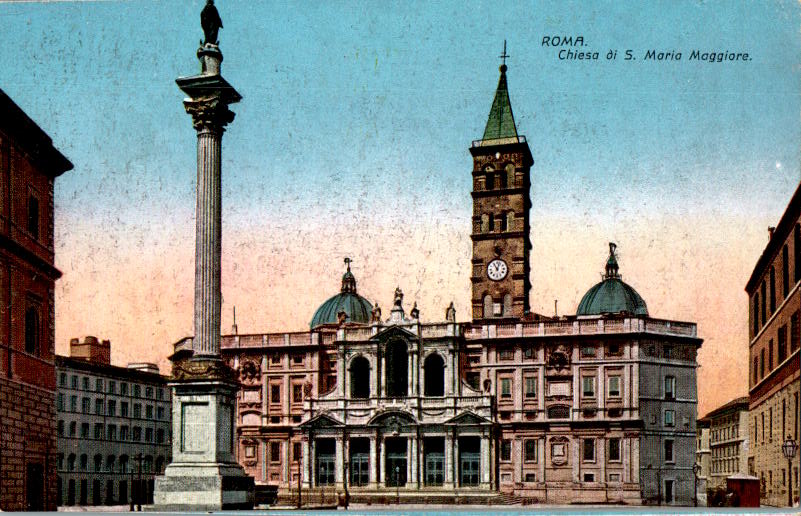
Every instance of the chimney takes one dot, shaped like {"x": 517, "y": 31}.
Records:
{"x": 771, "y": 229}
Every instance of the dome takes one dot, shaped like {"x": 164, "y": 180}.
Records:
{"x": 612, "y": 295}
{"x": 357, "y": 308}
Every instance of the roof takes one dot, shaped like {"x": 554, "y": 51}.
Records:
{"x": 736, "y": 404}
{"x": 31, "y": 138}
{"x": 780, "y": 235}
{"x": 76, "y": 364}
{"x": 612, "y": 295}
{"x": 501, "y": 122}
{"x": 348, "y": 301}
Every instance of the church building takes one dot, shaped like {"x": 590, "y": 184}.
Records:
{"x": 595, "y": 407}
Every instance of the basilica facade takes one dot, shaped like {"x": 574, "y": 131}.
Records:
{"x": 594, "y": 407}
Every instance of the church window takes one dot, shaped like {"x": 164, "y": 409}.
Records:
{"x": 502, "y": 180}
{"x": 275, "y": 394}
{"x": 510, "y": 175}
{"x": 297, "y": 393}
{"x": 397, "y": 369}
{"x": 614, "y": 386}
{"x": 614, "y": 449}
{"x": 275, "y": 451}
{"x": 434, "y": 369}
{"x": 507, "y": 304}
{"x": 506, "y": 450}
{"x": 360, "y": 378}
{"x": 487, "y": 305}
{"x": 588, "y": 450}
{"x": 530, "y": 452}
{"x": 588, "y": 386}
{"x": 506, "y": 354}
{"x": 506, "y": 388}
{"x": 531, "y": 387}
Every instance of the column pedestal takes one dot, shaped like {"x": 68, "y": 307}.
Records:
{"x": 203, "y": 474}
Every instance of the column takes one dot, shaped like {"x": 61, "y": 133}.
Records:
{"x": 382, "y": 463}
{"x": 287, "y": 462}
{"x": 448, "y": 459}
{"x": 339, "y": 451}
{"x": 208, "y": 241}
{"x": 600, "y": 456}
{"x": 285, "y": 399}
{"x": 373, "y": 481}
{"x": 305, "y": 471}
{"x": 485, "y": 465}
{"x": 410, "y": 388}
{"x": 626, "y": 451}
{"x": 541, "y": 444}
{"x": 413, "y": 462}
{"x": 341, "y": 372}
{"x": 575, "y": 454}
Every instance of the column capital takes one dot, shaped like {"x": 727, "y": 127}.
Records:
{"x": 209, "y": 114}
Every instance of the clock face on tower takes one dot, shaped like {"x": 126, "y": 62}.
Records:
{"x": 497, "y": 270}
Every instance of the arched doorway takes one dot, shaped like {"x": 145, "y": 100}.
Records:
{"x": 434, "y": 369}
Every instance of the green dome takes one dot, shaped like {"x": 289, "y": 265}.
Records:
{"x": 357, "y": 308}
{"x": 612, "y": 295}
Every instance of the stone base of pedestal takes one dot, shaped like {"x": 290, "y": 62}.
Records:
{"x": 194, "y": 488}
{"x": 203, "y": 475}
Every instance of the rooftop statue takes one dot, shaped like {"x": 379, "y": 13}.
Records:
{"x": 211, "y": 23}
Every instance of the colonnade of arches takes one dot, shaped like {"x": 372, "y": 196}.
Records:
{"x": 397, "y": 374}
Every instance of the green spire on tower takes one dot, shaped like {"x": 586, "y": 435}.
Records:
{"x": 501, "y": 123}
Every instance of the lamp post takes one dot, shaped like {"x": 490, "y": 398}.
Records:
{"x": 788, "y": 449}
{"x": 696, "y": 470}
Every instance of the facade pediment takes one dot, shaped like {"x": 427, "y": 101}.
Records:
{"x": 393, "y": 331}
{"x": 321, "y": 421}
{"x": 468, "y": 419}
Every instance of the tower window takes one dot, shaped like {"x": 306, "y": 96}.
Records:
{"x": 488, "y": 306}
{"x": 485, "y": 227}
{"x": 489, "y": 180}
{"x": 501, "y": 180}
{"x": 491, "y": 222}
{"x": 510, "y": 175}
{"x": 510, "y": 221}
{"x": 507, "y": 304}
{"x": 503, "y": 223}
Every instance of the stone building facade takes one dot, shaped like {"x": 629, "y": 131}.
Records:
{"x": 113, "y": 425}
{"x": 29, "y": 165}
{"x": 774, "y": 343}
{"x": 728, "y": 441}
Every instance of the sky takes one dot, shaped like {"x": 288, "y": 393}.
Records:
{"x": 352, "y": 140}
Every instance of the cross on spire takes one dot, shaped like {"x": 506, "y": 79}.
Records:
{"x": 504, "y": 55}
{"x": 347, "y": 261}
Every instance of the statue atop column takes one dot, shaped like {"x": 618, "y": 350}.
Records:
{"x": 211, "y": 23}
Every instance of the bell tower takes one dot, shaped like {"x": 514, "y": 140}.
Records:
{"x": 501, "y": 204}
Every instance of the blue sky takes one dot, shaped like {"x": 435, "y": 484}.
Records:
{"x": 353, "y": 135}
